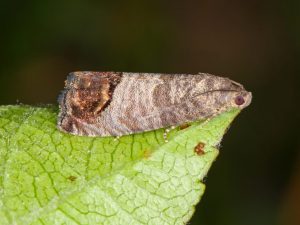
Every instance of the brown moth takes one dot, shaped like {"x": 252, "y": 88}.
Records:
{"x": 116, "y": 103}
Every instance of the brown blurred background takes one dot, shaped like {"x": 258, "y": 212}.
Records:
{"x": 256, "y": 179}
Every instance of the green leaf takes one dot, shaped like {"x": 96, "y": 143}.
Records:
{"x": 49, "y": 177}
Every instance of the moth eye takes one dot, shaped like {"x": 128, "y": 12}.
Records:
{"x": 239, "y": 100}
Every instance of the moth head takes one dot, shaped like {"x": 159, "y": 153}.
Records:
{"x": 238, "y": 96}
{"x": 218, "y": 94}
{"x": 236, "y": 99}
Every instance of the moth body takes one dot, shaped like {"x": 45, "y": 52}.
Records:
{"x": 116, "y": 104}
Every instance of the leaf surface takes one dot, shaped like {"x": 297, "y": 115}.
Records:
{"x": 49, "y": 177}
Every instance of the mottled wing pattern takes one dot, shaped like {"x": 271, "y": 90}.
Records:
{"x": 85, "y": 96}
{"x": 116, "y": 104}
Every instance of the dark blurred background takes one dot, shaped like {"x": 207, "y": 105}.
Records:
{"x": 256, "y": 179}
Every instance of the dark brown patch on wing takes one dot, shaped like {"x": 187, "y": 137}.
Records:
{"x": 199, "y": 149}
{"x": 87, "y": 94}
{"x": 161, "y": 95}
{"x": 68, "y": 123}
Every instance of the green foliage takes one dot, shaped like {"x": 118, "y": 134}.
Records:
{"x": 49, "y": 177}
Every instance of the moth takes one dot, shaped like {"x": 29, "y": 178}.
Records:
{"x": 120, "y": 103}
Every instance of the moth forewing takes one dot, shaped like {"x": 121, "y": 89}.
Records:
{"x": 116, "y": 104}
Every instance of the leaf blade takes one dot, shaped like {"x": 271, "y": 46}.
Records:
{"x": 48, "y": 177}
